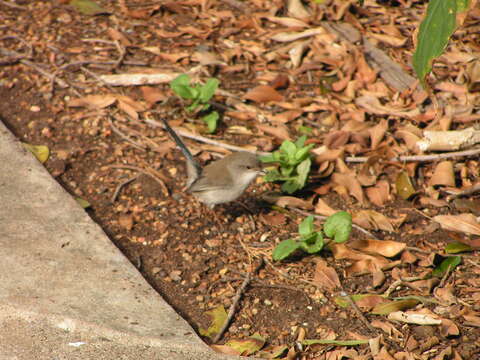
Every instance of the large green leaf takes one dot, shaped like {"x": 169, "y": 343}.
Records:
{"x": 285, "y": 249}
{"x": 208, "y": 90}
{"x": 338, "y": 226}
{"x": 435, "y": 30}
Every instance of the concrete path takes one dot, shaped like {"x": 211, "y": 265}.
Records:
{"x": 66, "y": 292}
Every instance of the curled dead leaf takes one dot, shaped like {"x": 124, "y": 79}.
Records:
{"x": 263, "y": 94}
{"x": 466, "y": 223}
{"x": 372, "y": 220}
{"x": 93, "y": 101}
{"x": 351, "y": 184}
{"x": 443, "y": 174}
{"x": 387, "y": 248}
{"x": 325, "y": 276}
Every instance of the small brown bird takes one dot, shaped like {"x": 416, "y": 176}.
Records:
{"x": 221, "y": 181}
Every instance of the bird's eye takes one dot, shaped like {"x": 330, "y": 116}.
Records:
{"x": 248, "y": 167}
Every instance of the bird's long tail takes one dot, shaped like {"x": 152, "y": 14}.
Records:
{"x": 194, "y": 169}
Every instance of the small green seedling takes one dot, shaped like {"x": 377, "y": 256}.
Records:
{"x": 295, "y": 163}
{"x": 199, "y": 95}
{"x": 337, "y": 227}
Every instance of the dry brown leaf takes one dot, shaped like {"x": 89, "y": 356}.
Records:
{"x": 377, "y": 133}
{"x": 466, "y": 223}
{"x": 297, "y": 51}
{"x": 126, "y": 221}
{"x": 292, "y": 36}
{"x": 322, "y": 208}
{"x": 388, "y": 39}
{"x": 287, "y": 116}
{"x": 369, "y": 302}
{"x": 380, "y": 193}
{"x": 152, "y": 94}
{"x": 207, "y": 58}
{"x": 114, "y": 34}
{"x": 443, "y": 174}
{"x": 378, "y": 278}
{"x": 325, "y": 154}
{"x": 93, "y": 101}
{"x": 388, "y": 328}
{"x": 351, "y": 184}
{"x": 296, "y": 9}
{"x": 263, "y": 94}
{"x": 373, "y": 220}
{"x": 449, "y": 328}
{"x": 285, "y": 201}
{"x": 445, "y": 295}
{"x": 371, "y": 265}
{"x": 325, "y": 276}
{"x": 287, "y": 21}
{"x": 280, "y": 131}
{"x": 387, "y": 248}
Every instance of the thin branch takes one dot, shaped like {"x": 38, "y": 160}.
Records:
{"x": 203, "y": 139}
{"x": 420, "y": 158}
{"x": 125, "y": 137}
{"x": 12, "y": 5}
{"x": 357, "y": 311}
{"x": 121, "y": 185}
{"x": 148, "y": 172}
{"x": 466, "y": 192}
{"x": 236, "y": 300}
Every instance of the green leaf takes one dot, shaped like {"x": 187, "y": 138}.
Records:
{"x": 306, "y": 226}
{"x": 389, "y": 307}
{"x": 248, "y": 346}
{"x": 462, "y": 5}
{"x": 288, "y": 148}
{"x": 303, "y": 169}
{"x": 301, "y": 141}
{"x": 218, "y": 317}
{"x": 404, "y": 186}
{"x": 286, "y": 170}
{"x": 290, "y": 186}
{"x": 457, "y": 247}
{"x": 273, "y": 175}
{"x": 435, "y": 31}
{"x": 208, "y": 90}
{"x": 41, "y": 152}
{"x": 83, "y": 203}
{"x": 211, "y": 120}
{"x": 313, "y": 247}
{"x": 338, "y": 226}
{"x": 88, "y": 7}
{"x": 181, "y": 86}
{"x": 302, "y": 153}
{"x": 305, "y": 129}
{"x": 267, "y": 158}
{"x": 450, "y": 262}
{"x": 285, "y": 249}
{"x": 334, "y": 342}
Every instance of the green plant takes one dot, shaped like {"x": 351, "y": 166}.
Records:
{"x": 199, "y": 95}
{"x": 337, "y": 227}
{"x": 294, "y": 160}
{"x": 438, "y": 25}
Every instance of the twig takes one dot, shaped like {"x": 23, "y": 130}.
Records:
{"x": 399, "y": 282}
{"x": 121, "y": 185}
{"x": 12, "y": 5}
{"x": 34, "y": 66}
{"x": 235, "y": 302}
{"x": 96, "y": 77}
{"x": 469, "y": 191}
{"x": 419, "y": 158}
{"x": 125, "y": 137}
{"x": 412, "y": 248}
{"x": 147, "y": 172}
{"x": 320, "y": 217}
{"x": 445, "y": 276}
{"x": 357, "y": 311}
{"x": 203, "y": 139}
